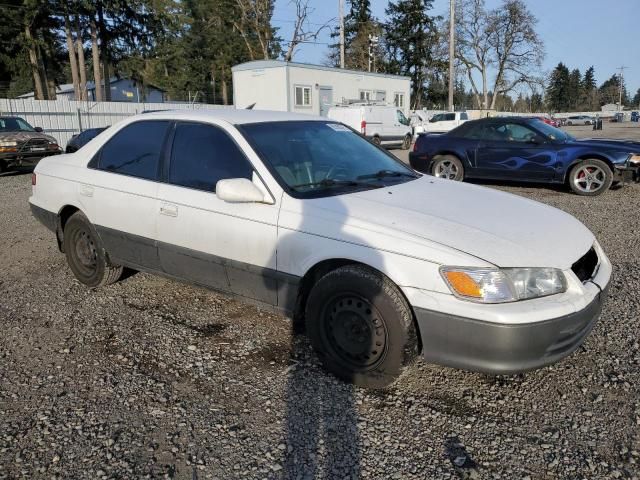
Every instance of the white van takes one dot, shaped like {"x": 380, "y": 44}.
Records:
{"x": 384, "y": 125}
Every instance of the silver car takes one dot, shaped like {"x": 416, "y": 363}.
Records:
{"x": 580, "y": 120}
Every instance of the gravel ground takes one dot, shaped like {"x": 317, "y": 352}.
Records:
{"x": 149, "y": 378}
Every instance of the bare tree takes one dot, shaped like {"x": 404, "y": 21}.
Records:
{"x": 302, "y": 31}
{"x": 95, "y": 54}
{"x": 82, "y": 69}
{"x": 73, "y": 60}
{"x": 502, "y": 42}
{"x": 255, "y": 23}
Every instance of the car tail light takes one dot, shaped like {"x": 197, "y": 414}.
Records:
{"x": 415, "y": 146}
{"x": 33, "y": 179}
{"x": 363, "y": 127}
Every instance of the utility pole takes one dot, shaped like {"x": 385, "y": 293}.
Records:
{"x": 341, "y": 14}
{"x": 621, "y": 86}
{"x": 452, "y": 22}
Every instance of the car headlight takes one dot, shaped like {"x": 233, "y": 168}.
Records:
{"x": 635, "y": 158}
{"x": 8, "y": 144}
{"x": 492, "y": 285}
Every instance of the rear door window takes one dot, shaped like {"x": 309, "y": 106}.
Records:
{"x": 135, "y": 150}
{"x": 202, "y": 155}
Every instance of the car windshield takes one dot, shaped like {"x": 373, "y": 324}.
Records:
{"x": 11, "y": 124}
{"x": 323, "y": 158}
{"x": 552, "y": 132}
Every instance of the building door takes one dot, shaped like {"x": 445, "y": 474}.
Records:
{"x": 326, "y": 99}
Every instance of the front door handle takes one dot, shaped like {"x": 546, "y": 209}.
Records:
{"x": 169, "y": 210}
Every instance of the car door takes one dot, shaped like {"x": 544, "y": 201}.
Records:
{"x": 514, "y": 151}
{"x": 119, "y": 192}
{"x": 203, "y": 239}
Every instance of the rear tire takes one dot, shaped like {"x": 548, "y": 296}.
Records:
{"x": 85, "y": 253}
{"x": 3, "y": 166}
{"x": 361, "y": 326}
{"x": 590, "y": 177}
{"x": 406, "y": 143}
{"x": 376, "y": 141}
{"x": 448, "y": 167}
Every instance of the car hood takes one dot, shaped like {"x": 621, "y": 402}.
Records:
{"x": 613, "y": 143}
{"x": 502, "y": 229}
{"x": 24, "y": 136}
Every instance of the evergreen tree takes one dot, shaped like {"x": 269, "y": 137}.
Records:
{"x": 558, "y": 90}
{"x": 575, "y": 89}
{"x": 610, "y": 91}
{"x": 636, "y": 100}
{"x": 359, "y": 24}
{"x": 590, "y": 98}
{"x": 410, "y": 36}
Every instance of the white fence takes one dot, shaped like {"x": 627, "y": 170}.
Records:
{"x": 63, "y": 118}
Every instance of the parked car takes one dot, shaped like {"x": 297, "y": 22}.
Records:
{"x": 80, "y": 139}
{"x": 580, "y": 120}
{"x": 526, "y": 149}
{"x": 23, "y": 145}
{"x": 549, "y": 121}
{"x": 301, "y": 214}
{"x": 383, "y": 125}
{"x": 618, "y": 117}
{"x": 443, "y": 122}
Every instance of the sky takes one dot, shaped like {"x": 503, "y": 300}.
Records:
{"x": 579, "y": 33}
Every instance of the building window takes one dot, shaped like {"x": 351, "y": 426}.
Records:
{"x": 398, "y": 100}
{"x": 303, "y": 96}
{"x": 381, "y": 96}
{"x": 365, "y": 95}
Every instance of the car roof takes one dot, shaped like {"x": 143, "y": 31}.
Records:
{"x": 232, "y": 115}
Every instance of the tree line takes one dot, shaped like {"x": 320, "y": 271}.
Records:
{"x": 187, "y": 48}
{"x": 573, "y": 91}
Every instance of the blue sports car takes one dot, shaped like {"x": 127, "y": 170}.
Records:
{"x": 526, "y": 150}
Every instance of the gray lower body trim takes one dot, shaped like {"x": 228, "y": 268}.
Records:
{"x": 261, "y": 285}
{"x": 503, "y": 349}
{"x": 45, "y": 217}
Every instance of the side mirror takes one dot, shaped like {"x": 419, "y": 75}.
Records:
{"x": 38, "y": 129}
{"x": 239, "y": 190}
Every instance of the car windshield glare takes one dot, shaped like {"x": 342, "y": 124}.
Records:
{"x": 10, "y": 124}
{"x": 314, "y": 158}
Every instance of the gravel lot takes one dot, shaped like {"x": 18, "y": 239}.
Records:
{"x": 149, "y": 378}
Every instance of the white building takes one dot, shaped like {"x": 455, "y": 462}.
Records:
{"x": 305, "y": 88}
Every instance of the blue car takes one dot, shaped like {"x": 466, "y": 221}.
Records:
{"x": 526, "y": 150}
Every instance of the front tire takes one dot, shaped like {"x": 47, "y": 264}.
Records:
{"x": 85, "y": 253}
{"x": 361, "y": 326}
{"x": 590, "y": 177}
{"x": 448, "y": 167}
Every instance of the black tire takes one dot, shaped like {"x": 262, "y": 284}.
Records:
{"x": 448, "y": 167}
{"x": 590, "y": 177}
{"x": 85, "y": 253}
{"x": 376, "y": 141}
{"x": 570, "y": 124}
{"x": 406, "y": 143}
{"x": 361, "y": 326}
{"x": 3, "y": 166}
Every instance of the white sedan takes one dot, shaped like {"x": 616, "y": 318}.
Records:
{"x": 303, "y": 215}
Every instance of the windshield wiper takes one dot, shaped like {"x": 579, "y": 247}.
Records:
{"x": 386, "y": 174}
{"x": 330, "y": 182}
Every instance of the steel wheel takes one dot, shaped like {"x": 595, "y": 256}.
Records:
{"x": 84, "y": 251}
{"x": 589, "y": 178}
{"x": 354, "y": 331}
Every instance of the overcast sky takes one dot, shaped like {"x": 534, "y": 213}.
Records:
{"x": 580, "y": 33}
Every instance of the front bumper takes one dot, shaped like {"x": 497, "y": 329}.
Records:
{"x": 624, "y": 174}
{"x": 495, "y": 348}
{"x": 19, "y": 159}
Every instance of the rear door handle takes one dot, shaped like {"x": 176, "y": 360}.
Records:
{"x": 169, "y": 210}
{"x": 86, "y": 190}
